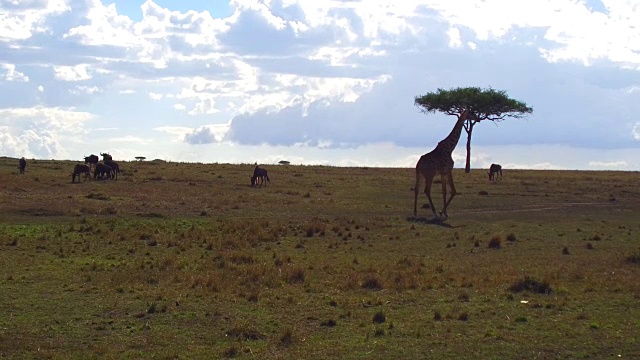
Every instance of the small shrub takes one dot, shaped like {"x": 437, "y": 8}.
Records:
{"x": 372, "y": 282}
{"x": 521, "y": 319}
{"x": 511, "y": 237}
{"x": 634, "y": 258}
{"x": 379, "y": 333}
{"x": 483, "y": 192}
{"x": 152, "y": 308}
{"x": 287, "y": 338}
{"x": 464, "y": 297}
{"x": 241, "y": 259}
{"x": 329, "y": 323}
{"x": 379, "y": 317}
{"x": 495, "y": 242}
{"x": 464, "y": 316}
{"x": 531, "y": 285}
{"x": 437, "y": 316}
{"x": 565, "y": 251}
{"x": 589, "y": 246}
{"x": 295, "y": 275}
{"x": 230, "y": 352}
{"x": 253, "y": 296}
{"x": 244, "y": 334}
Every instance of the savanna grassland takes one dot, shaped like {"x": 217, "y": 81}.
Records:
{"x": 182, "y": 260}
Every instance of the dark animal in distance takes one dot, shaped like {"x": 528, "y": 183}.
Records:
{"x": 92, "y": 160}
{"x": 115, "y": 168}
{"x": 259, "y": 174}
{"x": 22, "y": 165}
{"x": 106, "y": 157}
{"x": 102, "y": 171}
{"x": 81, "y": 169}
{"x": 495, "y": 170}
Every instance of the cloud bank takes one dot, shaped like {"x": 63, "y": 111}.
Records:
{"x": 319, "y": 75}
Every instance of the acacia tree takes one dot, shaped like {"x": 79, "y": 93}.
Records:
{"x": 483, "y": 104}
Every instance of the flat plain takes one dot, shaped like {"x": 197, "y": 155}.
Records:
{"x": 186, "y": 260}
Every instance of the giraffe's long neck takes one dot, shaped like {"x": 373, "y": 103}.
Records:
{"x": 449, "y": 143}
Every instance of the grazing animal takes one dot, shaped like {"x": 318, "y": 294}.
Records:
{"x": 92, "y": 160}
{"x": 115, "y": 168}
{"x": 259, "y": 174}
{"x": 22, "y": 165}
{"x": 494, "y": 171}
{"x": 439, "y": 161}
{"x": 106, "y": 157}
{"x": 102, "y": 171}
{"x": 81, "y": 169}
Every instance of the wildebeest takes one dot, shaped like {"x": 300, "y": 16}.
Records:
{"x": 106, "y": 157}
{"x": 259, "y": 174}
{"x": 22, "y": 165}
{"x": 115, "y": 168}
{"x": 92, "y": 160}
{"x": 81, "y": 169}
{"x": 102, "y": 171}
{"x": 495, "y": 170}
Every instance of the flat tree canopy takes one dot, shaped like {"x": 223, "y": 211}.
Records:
{"x": 484, "y": 104}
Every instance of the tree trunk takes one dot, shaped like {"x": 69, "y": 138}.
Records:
{"x": 467, "y": 166}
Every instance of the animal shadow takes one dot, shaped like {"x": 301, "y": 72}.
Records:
{"x": 430, "y": 221}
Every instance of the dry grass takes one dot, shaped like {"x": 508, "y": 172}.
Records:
{"x": 186, "y": 260}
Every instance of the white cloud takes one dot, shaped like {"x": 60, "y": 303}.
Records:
{"x": 106, "y": 27}
{"x": 608, "y": 165}
{"x": 179, "y": 107}
{"x": 207, "y": 134}
{"x": 127, "y": 92}
{"x": 40, "y": 132}
{"x": 21, "y": 20}
{"x": 11, "y": 74}
{"x": 155, "y": 96}
{"x": 454, "y": 37}
{"x": 635, "y": 132}
{"x": 72, "y": 73}
{"x": 85, "y": 90}
{"x": 129, "y": 139}
{"x": 178, "y": 133}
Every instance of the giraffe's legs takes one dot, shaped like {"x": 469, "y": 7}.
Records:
{"x": 416, "y": 190}
{"x": 427, "y": 191}
{"x": 453, "y": 192}
{"x": 443, "y": 180}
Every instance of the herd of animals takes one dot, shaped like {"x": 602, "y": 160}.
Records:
{"x": 109, "y": 169}
{"x": 438, "y": 161}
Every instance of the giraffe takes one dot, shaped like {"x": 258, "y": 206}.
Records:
{"x": 439, "y": 161}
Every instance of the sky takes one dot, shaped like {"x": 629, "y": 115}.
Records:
{"x": 328, "y": 82}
